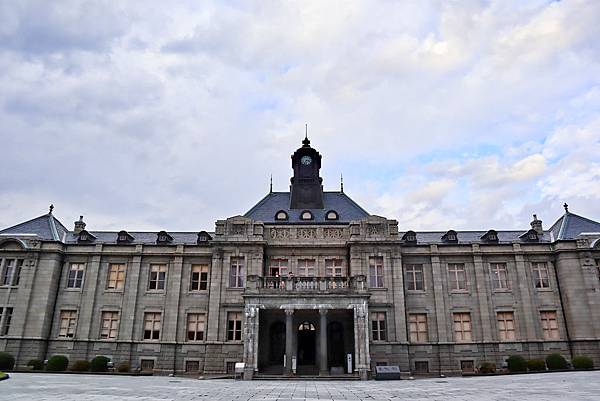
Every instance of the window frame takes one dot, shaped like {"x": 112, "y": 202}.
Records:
{"x": 237, "y": 272}
{"x": 331, "y": 266}
{"x": 304, "y": 268}
{"x": 281, "y": 265}
{"x": 460, "y": 332}
{"x": 73, "y": 281}
{"x": 410, "y": 270}
{"x": 6, "y": 314}
{"x": 416, "y": 333}
{"x": 113, "y": 324}
{"x": 10, "y": 271}
{"x": 504, "y": 332}
{"x": 378, "y": 326}
{"x": 376, "y": 272}
{"x": 154, "y": 276}
{"x": 495, "y": 278}
{"x": 234, "y": 326}
{"x": 546, "y": 323}
{"x": 203, "y": 277}
{"x": 121, "y": 270}
{"x": 198, "y": 321}
{"x": 68, "y": 316}
{"x": 153, "y": 333}
{"x": 538, "y": 279}
{"x": 455, "y": 278}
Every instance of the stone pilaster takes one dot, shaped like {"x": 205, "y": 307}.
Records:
{"x": 323, "y": 342}
{"x": 289, "y": 332}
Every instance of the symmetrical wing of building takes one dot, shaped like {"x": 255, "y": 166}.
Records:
{"x": 306, "y": 282}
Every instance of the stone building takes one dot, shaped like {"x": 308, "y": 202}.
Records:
{"x": 306, "y": 283}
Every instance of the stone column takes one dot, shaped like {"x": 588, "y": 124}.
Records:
{"x": 323, "y": 342}
{"x": 251, "y": 315}
{"x": 289, "y": 332}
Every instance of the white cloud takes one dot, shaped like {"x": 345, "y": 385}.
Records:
{"x": 169, "y": 116}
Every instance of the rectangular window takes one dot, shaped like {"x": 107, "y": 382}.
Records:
{"x": 199, "y": 278}
{"x": 421, "y": 367}
{"x": 68, "y": 320}
{"x": 378, "y": 326}
{"x": 414, "y": 278}
{"x": 236, "y": 272}
{"x": 158, "y": 275}
{"x": 116, "y": 276}
{"x": 110, "y": 325}
{"x": 152, "y": 325}
{"x": 306, "y": 268}
{"x": 234, "y": 326}
{"x": 550, "y": 325}
{"x": 418, "y": 327}
{"x": 376, "y": 272}
{"x": 462, "y": 327}
{"x": 333, "y": 267}
{"x": 278, "y": 267}
{"x": 147, "y": 365}
{"x": 540, "y": 275}
{"x": 196, "y": 326}
{"x": 499, "y": 276}
{"x": 11, "y": 273}
{"x": 75, "y": 277}
{"x": 467, "y": 366}
{"x": 192, "y": 366}
{"x": 5, "y": 317}
{"x": 457, "y": 277}
{"x": 506, "y": 326}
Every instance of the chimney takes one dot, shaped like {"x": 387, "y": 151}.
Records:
{"x": 79, "y": 226}
{"x": 537, "y": 225}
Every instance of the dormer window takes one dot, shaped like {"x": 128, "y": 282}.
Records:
{"x": 410, "y": 236}
{"x": 530, "y": 235}
{"x": 331, "y": 215}
{"x": 163, "y": 238}
{"x": 124, "y": 237}
{"x": 306, "y": 215}
{"x": 85, "y": 236}
{"x": 281, "y": 215}
{"x": 490, "y": 236}
{"x": 450, "y": 236}
{"x": 203, "y": 237}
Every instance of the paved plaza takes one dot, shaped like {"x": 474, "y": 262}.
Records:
{"x": 549, "y": 386}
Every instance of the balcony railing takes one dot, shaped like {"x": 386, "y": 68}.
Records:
{"x": 307, "y": 284}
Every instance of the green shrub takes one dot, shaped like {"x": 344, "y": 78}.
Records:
{"x": 556, "y": 362}
{"x": 516, "y": 363}
{"x": 123, "y": 367}
{"x": 99, "y": 364}
{"x": 487, "y": 367}
{"x": 7, "y": 361}
{"x": 57, "y": 363}
{"x": 36, "y": 364}
{"x": 583, "y": 362}
{"x": 536, "y": 365}
{"x": 80, "y": 366}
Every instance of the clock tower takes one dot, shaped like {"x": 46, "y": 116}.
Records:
{"x": 307, "y": 187}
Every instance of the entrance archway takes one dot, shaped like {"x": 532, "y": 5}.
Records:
{"x": 335, "y": 340}
{"x": 307, "y": 336}
{"x": 276, "y": 343}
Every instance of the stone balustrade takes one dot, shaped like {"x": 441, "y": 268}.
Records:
{"x": 307, "y": 284}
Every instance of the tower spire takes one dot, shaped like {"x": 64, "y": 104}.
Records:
{"x": 271, "y": 185}
{"x": 306, "y": 141}
{"x": 341, "y": 183}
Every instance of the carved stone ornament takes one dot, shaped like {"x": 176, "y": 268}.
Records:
{"x": 375, "y": 229}
{"x": 333, "y": 233}
{"x": 281, "y": 233}
{"x": 307, "y": 233}
{"x": 238, "y": 229}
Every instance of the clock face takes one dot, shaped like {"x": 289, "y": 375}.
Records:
{"x": 306, "y": 160}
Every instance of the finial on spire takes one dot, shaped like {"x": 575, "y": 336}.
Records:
{"x": 341, "y": 183}
{"x": 566, "y": 207}
{"x": 51, "y": 209}
{"x": 271, "y": 185}
{"x": 306, "y": 141}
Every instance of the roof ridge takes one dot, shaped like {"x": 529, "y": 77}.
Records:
{"x": 353, "y": 202}
{"x": 24, "y": 222}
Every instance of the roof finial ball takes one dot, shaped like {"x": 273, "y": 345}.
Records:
{"x": 51, "y": 209}
{"x": 566, "y": 207}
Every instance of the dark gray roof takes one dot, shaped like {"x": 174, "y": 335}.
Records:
{"x": 46, "y": 227}
{"x": 139, "y": 237}
{"x": 435, "y": 237}
{"x": 345, "y": 207}
{"x": 570, "y": 225}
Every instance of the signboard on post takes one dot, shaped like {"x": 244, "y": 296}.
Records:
{"x": 349, "y": 363}
{"x": 239, "y": 369}
{"x": 294, "y": 364}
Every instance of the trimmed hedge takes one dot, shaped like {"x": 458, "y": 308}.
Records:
{"x": 36, "y": 364}
{"x": 57, "y": 363}
{"x": 99, "y": 364}
{"x": 7, "y": 361}
{"x": 582, "y": 362}
{"x": 516, "y": 363}
{"x": 487, "y": 367}
{"x": 123, "y": 367}
{"x": 556, "y": 362}
{"x": 536, "y": 365}
{"x": 80, "y": 366}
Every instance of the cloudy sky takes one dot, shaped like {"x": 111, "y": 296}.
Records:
{"x": 154, "y": 115}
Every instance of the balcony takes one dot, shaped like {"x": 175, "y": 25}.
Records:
{"x": 291, "y": 285}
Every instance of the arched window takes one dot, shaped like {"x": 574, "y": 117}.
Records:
{"x": 331, "y": 215}
{"x": 308, "y": 326}
{"x": 306, "y": 215}
{"x": 281, "y": 215}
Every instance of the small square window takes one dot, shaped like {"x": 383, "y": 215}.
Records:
{"x": 192, "y": 366}
{"x": 147, "y": 365}
{"x": 467, "y": 366}
{"x": 421, "y": 367}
